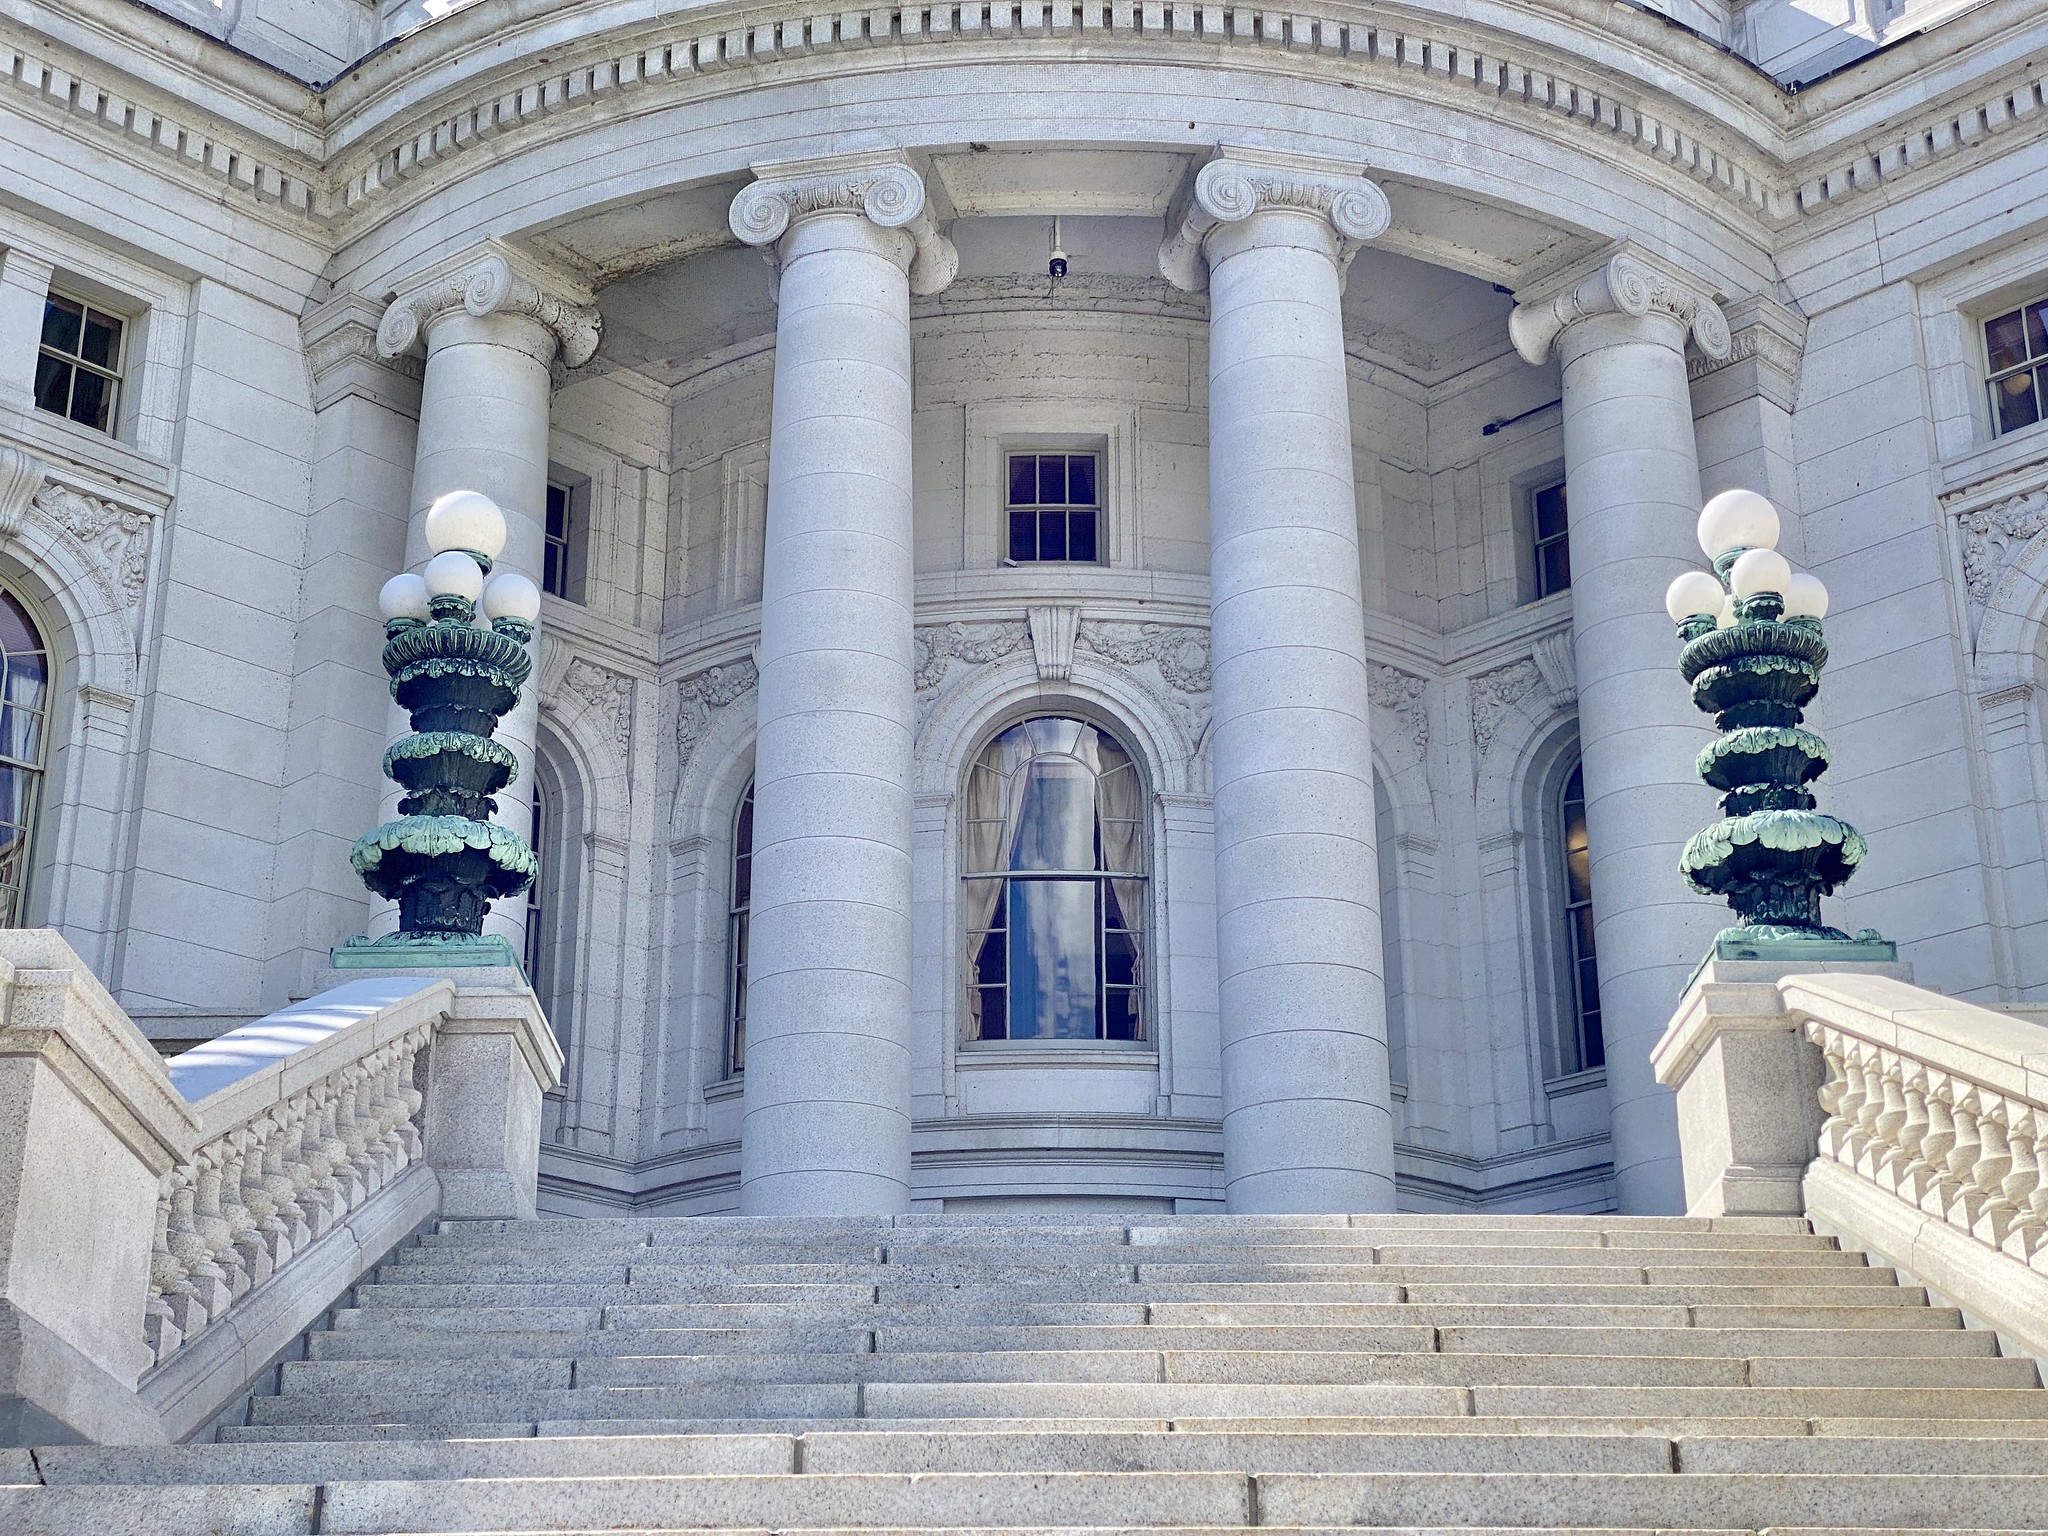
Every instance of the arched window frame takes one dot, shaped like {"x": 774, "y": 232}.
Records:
{"x": 29, "y": 698}
{"x": 1146, "y": 932}
{"x": 1579, "y": 1046}
{"x": 738, "y": 913}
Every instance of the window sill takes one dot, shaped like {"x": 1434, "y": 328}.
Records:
{"x": 2015, "y": 450}
{"x": 724, "y": 1088}
{"x": 1576, "y": 1082}
{"x": 981, "y": 1054}
{"x": 53, "y": 437}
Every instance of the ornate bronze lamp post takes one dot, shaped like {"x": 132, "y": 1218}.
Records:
{"x": 1753, "y": 655}
{"x": 455, "y": 648}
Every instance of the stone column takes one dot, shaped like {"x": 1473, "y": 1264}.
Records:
{"x": 1632, "y": 488}
{"x": 492, "y": 325}
{"x": 1307, "y": 1108}
{"x": 826, "y": 1127}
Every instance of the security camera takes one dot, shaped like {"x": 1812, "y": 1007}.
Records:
{"x": 1056, "y": 267}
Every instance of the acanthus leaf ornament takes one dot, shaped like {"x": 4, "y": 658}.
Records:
{"x": 607, "y": 692}
{"x": 701, "y": 695}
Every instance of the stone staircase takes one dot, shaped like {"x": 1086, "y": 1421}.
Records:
{"x": 1161, "y": 1374}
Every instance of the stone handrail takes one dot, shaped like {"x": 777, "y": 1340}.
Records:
{"x": 1911, "y": 1125}
{"x": 167, "y": 1228}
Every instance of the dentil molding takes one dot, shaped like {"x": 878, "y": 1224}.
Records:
{"x": 491, "y": 281}
{"x": 881, "y": 188}
{"x": 1238, "y": 183}
{"x": 1627, "y": 282}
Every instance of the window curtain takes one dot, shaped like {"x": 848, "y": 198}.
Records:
{"x": 1120, "y": 813}
{"x": 995, "y": 806}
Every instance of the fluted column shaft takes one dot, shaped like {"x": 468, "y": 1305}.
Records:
{"x": 1307, "y": 1107}
{"x": 826, "y": 1125}
{"x": 1632, "y": 490}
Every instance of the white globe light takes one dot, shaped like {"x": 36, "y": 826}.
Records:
{"x": 509, "y": 595}
{"x": 1805, "y": 598}
{"x": 454, "y": 574}
{"x": 1738, "y": 520}
{"x": 403, "y": 597}
{"x": 1725, "y": 619}
{"x": 1759, "y": 570}
{"x": 466, "y": 520}
{"x": 1693, "y": 594}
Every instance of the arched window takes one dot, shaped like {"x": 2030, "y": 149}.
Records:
{"x": 1054, "y": 877}
{"x": 1582, "y": 1046}
{"x": 736, "y": 934}
{"x": 24, "y": 716}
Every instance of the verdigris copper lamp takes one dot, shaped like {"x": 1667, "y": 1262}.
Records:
{"x": 455, "y": 646}
{"x": 1753, "y": 654}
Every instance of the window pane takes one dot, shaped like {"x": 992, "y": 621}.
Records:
{"x": 53, "y": 384}
{"x": 1023, "y": 480}
{"x": 1052, "y": 479}
{"x": 1081, "y": 536}
{"x": 558, "y": 512}
{"x": 1023, "y": 535}
{"x": 62, "y": 321}
{"x": 2015, "y": 402}
{"x": 2037, "y": 329}
{"x": 553, "y": 569}
{"x": 92, "y": 399}
{"x": 1081, "y": 480}
{"x": 1550, "y": 512}
{"x": 1053, "y": 961}
{"x": 1052, "y": 535}
{"x": 2006, "y": 340}
{"x": 102, "y": 340}
{"x": 1553, "y": 568}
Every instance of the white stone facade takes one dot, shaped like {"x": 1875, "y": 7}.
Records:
{"x": 525, "y": 244}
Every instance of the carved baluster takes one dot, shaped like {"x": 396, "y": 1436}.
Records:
{"x": 414, "y": 1101}
{"x": 1834, "y": 1093}
{"x": 204, "y": 1294}
{"x": 1913, "y": 1172}
{"x": 284, "y": 1172}
{"x": 1940, "y": 1143}
{"x": 358, "y": 1132}
{"x": 1892, "y": 1161}
{"x": 160, "y": 1328}
{"x": 391, "y": 1113}
{"x": 1963, "y": 1157}
{"x": 1863, "y": 1140}
{"x": 258, "y": 1197}
{"x": 337, "y": 1147}
{"x": 211, "y": 1218}
{"x": 247, "y": 1238}
{"x": 2022, "y": 1231}
{"x": 295, "y": 1165}
{"x": 1992, "y": 1215}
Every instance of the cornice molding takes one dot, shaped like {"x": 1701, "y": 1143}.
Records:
{"x": 491, "y": 280}
{"x": 1238, "y": 183}
{"x": 342, "y": 355}
{"x": 1627, "y": 282}
{"x": 883, "y": 188}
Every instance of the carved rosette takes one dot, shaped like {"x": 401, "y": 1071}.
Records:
{"x": 1626, "y": 283}
{"x": 881, "y": 188}
{"x": 701, "y": 695}
{"x": 1241, "y": 182}
{"x": 489, "y": 285}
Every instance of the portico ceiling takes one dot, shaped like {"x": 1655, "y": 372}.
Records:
{"x": 676, "y": 289}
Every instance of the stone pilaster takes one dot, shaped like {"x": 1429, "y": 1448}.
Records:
{"x": 1632, "y": 488}
{"x": 826, "y": 1127}
{"x": 1307, "y": 1104}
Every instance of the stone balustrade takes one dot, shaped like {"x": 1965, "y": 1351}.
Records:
{"x": 167, "y": 1228}
{"x": 1911, "y": 1125}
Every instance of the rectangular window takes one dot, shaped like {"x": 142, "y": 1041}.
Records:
{"x": 565, "y": 540}
{"x": 78, "y": 369}
{"x": 1053, "y": 507}
{"x": 2016, "y": 348}
{"x": 1549, "y": 541}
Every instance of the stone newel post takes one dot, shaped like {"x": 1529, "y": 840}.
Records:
{"x": 1307, "y": 1108}
{"x": 1632, "y": 485}
{"x": 826, "y": 1128}
{"x": 492, "y": 325}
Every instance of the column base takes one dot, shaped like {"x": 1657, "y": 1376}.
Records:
{"x": 424, "y": 952}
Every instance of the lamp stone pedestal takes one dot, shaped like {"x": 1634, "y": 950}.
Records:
{"x": 1748, "y": 1084}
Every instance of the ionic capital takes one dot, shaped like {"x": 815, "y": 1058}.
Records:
{"x": 1627, "y": 282}
{"x": 491, "y": 281}
{"x": 1241, "y": 182}
{"x": 881, "y": 188}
